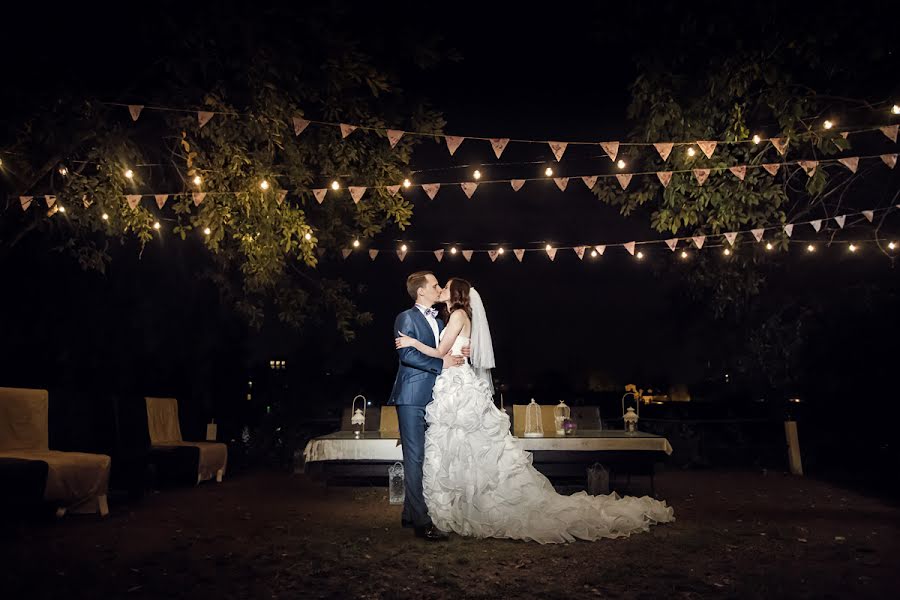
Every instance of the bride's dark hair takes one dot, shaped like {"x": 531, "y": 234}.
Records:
{"x": 459, "y": 298}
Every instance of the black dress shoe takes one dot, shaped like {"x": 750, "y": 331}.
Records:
{"x": 431, "y": 533}
{"x": 406, "y": 524}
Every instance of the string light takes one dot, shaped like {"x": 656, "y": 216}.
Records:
{"x": 548, "y": 172}
{"x": 895, "y": 109}
{"x": 307, "y": 237}
{"x": 549, "y": 248}
{"x": 62, "y": 209}
{"x": 892, "y": 245}
{"x": 406, "y": 183}
{"x": 197, "y": 180}
{"x": 453, "y": 250}
{"x": 810, "y": 248}
{"x": 640, "y": 255}
{"x": 156, "y": 226}
{"x": 476, "y": 174}
{"x": 263, "y": 185}
{"x": 207, "y": 231}
{"x": 756, "y": 139}
{"x": 769, "y": 246}
{"x": 593, "y": 254}
{"x": 403, "y": 248}
{"x": 500, "y": 250}
{"x": 356, "y": 243}
{"x": 852, "y": 247}
{"x": 827, "y": 124}
{"x": 129, "y": 174}
{"x": 691, "y": 152}
{"x": 336, "y": 186}
{"x": 105, "y": 217}
{"x": 63, "y": 170}
{"x": 621, "y": 164}
{"x": 684, "y": 254}
{"x": 726, "y": 252}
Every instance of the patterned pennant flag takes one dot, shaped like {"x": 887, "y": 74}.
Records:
{"x": 356, "y": 192}
{"x": 393, "y": 136}
{"x": 817, "y": 224}
{"x": 203, "y": 117}
{"x": 551, "y": 252}
{"x": 469, "y": 188}
{"x": 739, "y": 172}
{"x": 707, "y": 147}
{"x": 664, "y": 149}
{"x": 393, "y": 189}
{"x": 630, "y": 247}
{"x": 439, "y": 255}
{"x": 133, "y": 200}
{"x": 672, "y": 243}
{"x": 611, "y": 149}
{"x": 517, "y": 184}
{"x": 890, "y": 131}
{"x": 431, "y": 189}
{"x": 889, "y": 159}
{"x": 346, "y": 130}
{"x": 698, "y": 241}
{"x": 282, "y": 194}
{"x": 772, "y": 168}
{"x": 161, "y": 200}
{"x": 345, "y": 252}
{"x": 467, "y": 254}
{"x": 373, "y": 254}
{"x": 561, "y": 183}
{"x": 624, "y": 179}
{"x": 401, "y": 254}
{"x": 757, "y": 233}
{"x": 851, "y": 163}
{"x": 780, "y": 145}
{"x": 135, "y": 111}
{"x": 520, "y": 253}
{"x": 26, "y": 201}
{"x": 499, "y": 145}
{"x": 590, "y": 182}
{"x": 51, "y": 200}
{"x": 300, "y": 125}
{"x": 731, "y": 236}
{"x": 493, "y": 253}
{"x": 700, "y": 175}
{"x": 840, "y": 220}
{"x": 789, "y": 229}
{"x": 664, "y": 177}
{"x": 579, "y": 251}
{"x": 320, "y": 194}
{"x": 869, "y": 214}
{"x": 558, "y": 148}
{"x": 600, "y": 249}
{"x": 809, "y": 166}
{"x": 453, "y": 143}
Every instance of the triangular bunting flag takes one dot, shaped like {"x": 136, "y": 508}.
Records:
{"x": 161, "y": 200}
{"x": 772, "y": 168}
{"x": 664, "y": 177}
{"x": 345, "y": 252}
{"x": 851, "y": 163}
{"x": 707, "y": 147}
{"x": 401, "y": 254}
{"x": 373, "y": 254}
{"x": 579, "y": 251}
{"x": 198, "y": 197}
{"x": 890, "y": 131}
{"x": 600, "y": 249}
{"x": 492, "y": 253}
{"x": 558, "y": 148}
{"x": 431, "y": 189}
{"x": 757, "y": 233}
{"x": 664, "y": 149}
{"x": 393, "y": 189}
{"x": 26, "y": 201}
{"x": 841, "y": 220}
{"x": 133, "y": 200}
{"x": 624, "y": 179}
{"x": 672, "y": 243}
{"x": 630, "y": 247}
{"x": 551, "y": 252}
{"x": 282, "y": 194}
{"x": 356, "y": 192}
{"x": 320, "y": 252}
{"x": 469, "y": 188}
{"x": 51, "y": 200}
{"x": 809, "y": 166}
{"x": 393, "y": 136}
{"x": 203, "y": 117}
{"x": 817, "y": 224}
{"x": 789, "y": 229}
{"x": 731, "y": 236}
{"x": 520, "y": 254}
{"x": 869, "y": 214}
{"x": 611, "y": 149}
{"x": 561, "y": 183}
{"x": 590, "y": 182}
{"x": 300, "y": 124}
{"x": 889, "y": 159}
{"x": 698, "y": 241}
{"x": 780, "y": 144}
{"x": 517, "y": 184}
{"x": 320, "y": 194}
{"x": 467, "y": 254}
{"x": 499, "y": 145}
{"x": 439, "y": 255}
{"x": 346, "y": 130}
{"x": 700, "y": 175}
{"x": 844, "y": 134}
{"x": 739, "y": 172}
{"x": 453, "y": 143}
{"x": 135, "y": 111}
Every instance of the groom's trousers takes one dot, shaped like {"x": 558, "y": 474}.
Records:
{"x": 411, "y": 420}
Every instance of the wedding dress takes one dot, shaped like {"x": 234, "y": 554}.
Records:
{"x": 479, "y": 482}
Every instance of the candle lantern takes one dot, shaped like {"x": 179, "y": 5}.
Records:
{"x": 561, "y": 414}
{"x": 533, "y": 425}
{"x": 358, "y": 420}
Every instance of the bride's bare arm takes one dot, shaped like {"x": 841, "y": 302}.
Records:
{"x": 454, "y": 327}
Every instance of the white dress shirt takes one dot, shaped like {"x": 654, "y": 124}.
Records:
{"x": 432, "y": 322}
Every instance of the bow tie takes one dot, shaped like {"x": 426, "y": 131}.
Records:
{"x": 431, "y": 312}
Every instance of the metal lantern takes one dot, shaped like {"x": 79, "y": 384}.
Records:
{"x": 561, "y": 414}
{"x": 395, "y": 483}
{"x": 358, "y": 420}
{"x": 631, "y": 416}
{"x": 533, "y": 425}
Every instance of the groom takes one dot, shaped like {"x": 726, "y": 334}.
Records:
{"x": 412, "y": 392}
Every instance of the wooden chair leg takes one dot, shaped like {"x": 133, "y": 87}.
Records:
{"x": 220, "y": 474}
{"x": 60, "y": 512}
{"x": 102, "y": 505}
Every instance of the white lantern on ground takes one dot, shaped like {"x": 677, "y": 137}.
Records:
{"x": 396, "y": 489}
{"x": 631, "y": 418}
{"x": 561, "y": 413}
{"x": 358, "y": 419}
{"x": 533, "y": 425}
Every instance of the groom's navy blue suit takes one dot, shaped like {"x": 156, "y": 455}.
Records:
{"x": 411, "y": 393}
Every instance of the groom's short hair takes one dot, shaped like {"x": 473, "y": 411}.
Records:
{"x": 415, "y": 281}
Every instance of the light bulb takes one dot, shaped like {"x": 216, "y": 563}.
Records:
{"x": 895, "y": 109}
{"x": 691, "y": 151}
{"x": 335, "y": 185}
{"x": 500, "y": 250}
{"x": 356, "y": 243}
{"x": 827, "y": 124}
{"x": 197, "y": 180}
{"x": 621, "y": 164}
{"x": 756, "y": 139}
{"x": 852, "y": 247}
{"x": 264, "y": 185}
{"x": 207, "y": 231}
{"x": 105, "y": 217}
{"x": 63, "y": 170}
{"x": 129, "y": 174}
{"x": 403, "y": 247}
{"x": 453, "y": 250}
{"x": 640, "y": 255}
{"x": 684, "y": 254}
{"x": 156, "y": 226}
{"x": 810, "y": 248}
{"x": 549, "y": 247}
{"x": 548, "y": 172}
{"x": 769, "y": 246}
{"x": 476, "y": 174}
{"x": 308, "y": 236}
{"x": 726, "y": 252}
{"x": 892, "y": 245}
{"x": 406, "y": 183}
{"x": 593, "y": 253}
{"x": 62, "y": 209}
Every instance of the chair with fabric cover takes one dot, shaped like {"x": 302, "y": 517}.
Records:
{"x": 165, "y": 432}
{"x": 389, "y": 423}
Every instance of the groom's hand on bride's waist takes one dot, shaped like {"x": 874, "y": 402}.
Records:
{"x": 467, "y": 351}
{"x": 453, "y": 361}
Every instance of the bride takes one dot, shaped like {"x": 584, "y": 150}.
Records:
{"x": 477, "y": 480}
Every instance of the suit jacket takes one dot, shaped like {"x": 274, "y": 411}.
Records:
{"x": 417, "y": 372}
